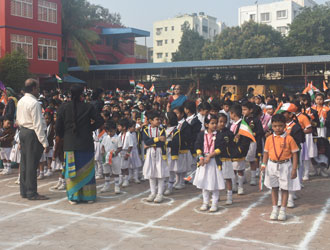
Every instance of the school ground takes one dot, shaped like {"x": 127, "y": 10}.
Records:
{"x": 127, "y": 221}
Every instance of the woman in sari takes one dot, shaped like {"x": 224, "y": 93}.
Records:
{"x": 75, "y": 123}
{"x": 177, "y": 99}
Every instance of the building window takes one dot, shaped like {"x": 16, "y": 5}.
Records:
{"x": 253, "y": 17}
{"x": 172, "y": 28}
{"x": 172, "y": 40}
{"x": 265, "y": 17}
{"x": 47, "y": 49}
{"x": 282, "y": 29}
{"x": 165, "y": 28}
{"x": 47, "y": 11}
{"x": 22, "y": 8}
{"x": 165, "y": 41}
{"x": 166, "y": 54}
{"x": 159, "y": 31}
{"x": 282, "y": 14}
{"x": 22, "y": 43}
{"x": 205, "y": 29}
{"x": 160, "y": 43}
{"x": 159, "y": 55}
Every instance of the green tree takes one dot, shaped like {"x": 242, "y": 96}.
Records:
{"x": 252, "y": 40}
{"x": 78, "y": 19}
{"x": 310, "y": 32}
{"x": 14, "y": 70}
{"x": 191, "y": 45}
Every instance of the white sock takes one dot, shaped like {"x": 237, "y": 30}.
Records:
{"x": 240, "y": 181}
{"x": 153, "y": 183}
{"x": 116, "y": 181}
{"x": 171, "y": 180}
{"x": 306, "y": 167}
{"x": 229, "y": 192}
{"x": 275, "y": 208}
{"x": 215, "y": 197}
{"x": 290, "y": 198}
{"x": 253, "y": 174}
{"x": 130, "y": 173}
{"x": 161, "y": 185}
{"x": 136, "y": 174}
{"x": 206, "y": 196}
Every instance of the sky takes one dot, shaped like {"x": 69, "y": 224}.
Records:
{"x": 141, "y": 14}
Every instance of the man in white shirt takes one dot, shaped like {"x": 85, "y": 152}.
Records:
{"x": 33, "y": 139}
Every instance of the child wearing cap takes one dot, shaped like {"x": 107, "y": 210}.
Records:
{"x": 281, "y": 172}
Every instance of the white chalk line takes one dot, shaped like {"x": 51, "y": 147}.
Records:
{"x": 14, "y": 203}
{"x": 152, "y": 222}
{"x": 16, "y": 193}
{"x": 256, "y": 242}
{"x": 54, "y": 230}
{"x": 316, "y": 225}
{"x": 8, "y": 179}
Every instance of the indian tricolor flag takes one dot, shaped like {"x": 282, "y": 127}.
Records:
{"x": 287, "y": 107}
{"x": 325, "y": 86}
{"x": 310, "y": 89}
{"x": 132, "y": 83}
{"x": 210, "y": 100}
{"x": 245, "y": 130}
{"x": 152, "y": 89}
{"x": 59, "y": 79}
{"x": 139, "y": 86}
{"x": 117, "y": 90}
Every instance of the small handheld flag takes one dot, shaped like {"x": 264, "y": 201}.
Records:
{"x": 139, "y": 86}
{"x": 210, "y": 99}
{"x": 117, "y": 90}
{"x": 198, "y": 92}
{"x": 132, "y": 83}
{"x": 287, "y": 107}
{"x": 246, "y": 131}
{"x": 59, "y": 79}
{"x": 325, "y": 86}
{"x": 152, "y": 89}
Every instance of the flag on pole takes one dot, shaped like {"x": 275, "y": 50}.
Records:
{"x": 152, "y": 89}
{"x": 246, "y": 131}
{"x": 210, "y": 99}
{"x": 132, "y": 83}
{"x": 139, "y": 86}
{"x": 325, "y": 86}
{"x": 117, "y": 90}
{"x": 59, "y": 79}
{"x": 287, "y": 107}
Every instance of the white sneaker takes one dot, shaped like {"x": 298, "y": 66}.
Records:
{"x": 117, "y": 189}
{"x": 151, "y": 197}
{"x": 282, "y": 216}
{"x": 229, "y": 200}
{"x": 179, "y": 186}
{"x": 290, "y": 204}
{"x": 204, "y": 207}
{"x": 4, "y": 172}
{"x": 240, "y": 191}
{"x": 159, "y": 198}
{"x": 18, "y": 181}
{"x": 99, "y": 177}
{"x": 253, "y": 181}
{"x": 41, "y": 176}
{"x": 137, "y": 181}
{"x": 9, "y": 171}
{"x": 62, "y": 186}
{"x": 48, "y": 173}
{"x": 125, "y": 183}
{"x": 213, "y": 208}
{"x": 274, "y": 215}
{"x": 324, "y": 173}
{"x": 168, "y": 192}
{"x": 106, "y": 187}
{"x": 58, "y": 184}
{"x": 305, "y": 178}
{"x": 279, "y": 202}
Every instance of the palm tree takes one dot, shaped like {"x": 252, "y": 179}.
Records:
{"x": 76, "y": 31}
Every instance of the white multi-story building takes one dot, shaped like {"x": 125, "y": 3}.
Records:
{"x": 277, "y": 14}
{"x": 167, "y": 33}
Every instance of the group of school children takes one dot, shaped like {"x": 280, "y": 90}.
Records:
{"x": 284, "y": 142}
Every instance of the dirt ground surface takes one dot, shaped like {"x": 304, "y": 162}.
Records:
{"x": 127, "y": 221}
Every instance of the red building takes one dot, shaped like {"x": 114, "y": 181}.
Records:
{"x": 33, "y": 26}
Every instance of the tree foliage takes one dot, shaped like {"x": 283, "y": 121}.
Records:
{"x": 191, "y": 45}
{"x": 310, "y": 32}
{"x": 14, "y": 70}
{"x": 252, "y": 40}
{"x": 78, "y": 19}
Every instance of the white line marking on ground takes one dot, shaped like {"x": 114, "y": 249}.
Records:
{"x": 16, "y": 193}
{"x": 8, "y": 179}
{"x": 54, "y": 230}
{"x": 245, "y": 213}
{"x": 291, "y": 219}
{"x": 14, "y": 203}
{"x": 316, "y": 225}
{"x": 257, "y": 242}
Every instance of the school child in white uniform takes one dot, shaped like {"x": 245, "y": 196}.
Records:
{"x": 15, "y": 154}
{"x": 208, "y": 176}
{"x": 112, "y": 161}
{"x": 98, "y": 136}
{"x": 126, "y": 146}
{"x": 281, "y": 172}
{"x": 155, "y": 167}
{"x": 135, "y": 160}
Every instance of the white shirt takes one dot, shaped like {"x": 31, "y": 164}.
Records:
{"x": 190, "y": 118}
{"x": 29, "y": 115}
{"x": 201, "y": 118}
{"x": 110, "y": 143}
{"x": 125, "y": 141}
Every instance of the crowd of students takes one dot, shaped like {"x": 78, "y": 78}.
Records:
{"x": 282, "y": 141}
